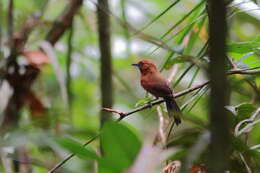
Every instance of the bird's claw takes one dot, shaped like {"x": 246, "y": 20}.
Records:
{"x": 150, "y": 104}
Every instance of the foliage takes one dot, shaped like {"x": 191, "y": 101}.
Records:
{"x": 59, "y": 115}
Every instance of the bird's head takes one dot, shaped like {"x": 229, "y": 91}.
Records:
{"x": 146, "y": 66}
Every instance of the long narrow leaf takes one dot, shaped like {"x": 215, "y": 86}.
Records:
{"x": 182, "y": 19}
{"x": 159, "y": 15}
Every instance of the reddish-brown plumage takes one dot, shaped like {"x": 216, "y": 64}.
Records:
{"x": 153, "y": 82}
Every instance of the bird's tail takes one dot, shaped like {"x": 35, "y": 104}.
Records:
{"x": 173, "y": 109}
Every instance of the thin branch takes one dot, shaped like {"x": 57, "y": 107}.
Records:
{"x": 245, "y": 163}
{"x": 162, "y": 136}
{"x": 68, "y": 71}
{"x": 57, "y": 166}
{"x": 113, "y": 111}
{"x": 179, "y": 94}
{"x": 64, "y": 21}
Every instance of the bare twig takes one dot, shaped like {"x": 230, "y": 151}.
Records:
{"x": 114, "y": 111}
{"x": 57, "y": 166}
{"x": 179, "y": 94}
{"x": 161, "y": 134}
{"x": 246, "y": 164}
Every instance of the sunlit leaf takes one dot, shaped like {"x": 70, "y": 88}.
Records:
{"x": 243, "y": 47}
{"x": 176, "y": 60}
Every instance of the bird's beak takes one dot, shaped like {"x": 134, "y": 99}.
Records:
{"x": 137, "y": 65}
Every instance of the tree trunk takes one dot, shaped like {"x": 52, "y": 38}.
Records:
{"x": 219, "y": 126}
{"x": 106, "y": 59}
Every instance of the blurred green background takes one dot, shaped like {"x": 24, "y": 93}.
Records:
{"x": 72, "y": 110}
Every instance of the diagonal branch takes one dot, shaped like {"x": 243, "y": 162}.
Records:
{"x": 179, "y": 94}
{"x": 64, "y": 21}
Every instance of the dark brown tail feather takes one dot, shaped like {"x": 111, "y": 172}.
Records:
{"x": 173, "y": 109}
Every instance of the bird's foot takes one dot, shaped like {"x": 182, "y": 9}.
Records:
{"x": 150, "y": 103}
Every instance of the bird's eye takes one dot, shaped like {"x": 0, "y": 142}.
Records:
{"x": 141, "y": 63}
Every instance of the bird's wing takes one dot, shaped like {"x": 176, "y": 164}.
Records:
{"x": 157, "y": 86}
{"x": 161, "y": 89}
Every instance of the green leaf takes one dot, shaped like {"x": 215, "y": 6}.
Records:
{"x": 142, "y": 102}
{"x": 179, "y": 155}
{"x": 187, "y": 139}
{"x": 245, "y": 108}
{"x": 183, "y": 18}
{"x": 242, "y": 111}
{"x": 77, "y": 148}
{"x": 194, "y": 36}
{"x": 243, "y": 47}
{"x": 245, "y": 60}
{"x": 238, "y": 145}
{"x": 182, "y": 75}
{"x": 160, "y": 15}
{"x": 120, "y": 145}
{"x": 175, "y": 60}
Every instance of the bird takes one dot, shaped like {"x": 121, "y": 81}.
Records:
{"x": 154, "y": 83}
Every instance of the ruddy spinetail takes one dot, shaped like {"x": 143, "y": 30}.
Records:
{"x": 153, "y": 82}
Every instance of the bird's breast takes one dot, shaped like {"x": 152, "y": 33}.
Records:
{"x": 150, "y": 86}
